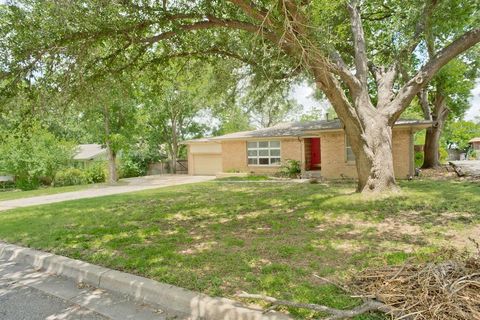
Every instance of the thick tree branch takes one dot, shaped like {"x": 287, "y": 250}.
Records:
{"x": 360, "y": 47}
{"x": 212, "y": 51}
{"x": 250, "y": 10}
{"x": 369, "y": 305}
{"x": 341, "y": 68}
{"x": 428, "y": 71}
{"x": 423, "y": 98}
{"x": 212, "y": 23}
{"x": 420, "y": 27}
{"x": 385, "y": 79}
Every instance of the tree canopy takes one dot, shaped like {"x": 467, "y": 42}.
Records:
{"x": 369, "y": 58}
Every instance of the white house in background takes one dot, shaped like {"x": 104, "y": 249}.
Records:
{"x": 87, "y": 153}
{"x": 6, "y": 178}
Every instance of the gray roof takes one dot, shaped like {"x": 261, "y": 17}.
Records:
{"x": 298, "y": 129}
{"x": 89, "y": 151}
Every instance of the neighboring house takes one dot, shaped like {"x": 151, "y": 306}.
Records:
{"x": 475, "y": 142}
{"x": 6, "y": 178}
{"x": 87, "y": 153}
{"x": 318, "y": 145}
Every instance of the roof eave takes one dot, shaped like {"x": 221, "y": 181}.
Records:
{"x": 197, "y": 141}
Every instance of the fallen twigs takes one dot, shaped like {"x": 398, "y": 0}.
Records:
{"x": 445, "y": 290}
{"x": 368, "y": 305}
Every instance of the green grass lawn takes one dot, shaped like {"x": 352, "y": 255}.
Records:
{"x": 17, "y": 194}
{"x": 247, "y": 178}
{"x": 271, "y": 238}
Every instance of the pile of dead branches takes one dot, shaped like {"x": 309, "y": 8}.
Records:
{"x": 449, "y": 289}
{"x": 443, "y": 290}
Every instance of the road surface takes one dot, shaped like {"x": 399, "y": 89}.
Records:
{"x": 27, "y": 294}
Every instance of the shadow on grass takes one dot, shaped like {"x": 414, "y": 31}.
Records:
{"x": 220, "y": 238}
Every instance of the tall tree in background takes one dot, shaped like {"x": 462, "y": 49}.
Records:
{"x": 459, "y": 134}
{"x": 357, "y": 70}
{"x": 268, "y": 103}
{"x": 110, "y": 113}
{"x": 447, "y": 97}
{"x": 171, "y": 98}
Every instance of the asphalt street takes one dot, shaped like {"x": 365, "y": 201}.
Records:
{"x": 28, "y": 294}
{"x": 18, "y": 302}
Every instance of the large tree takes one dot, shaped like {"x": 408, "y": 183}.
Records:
{"x": 446, "y": 98}
{"x": 353, "y": 50}
{"x": 447, "y": 95}
{"x": 109, "y": 112}
{"x": 171, "y": 98}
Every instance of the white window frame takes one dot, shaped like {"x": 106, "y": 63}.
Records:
{"x": 257, "y": 148}
{"x": 349, "y": 147}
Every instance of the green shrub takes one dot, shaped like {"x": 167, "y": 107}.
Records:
{"x": 443, "y": 154}
{"x": 419, "y": 159}
{"x": 7, "y": 185}
{"x": 473, "y": 154}
{"x": 290, "y": 169}
{"x": 131, "y": 168}
{"x": 70, "y": 177}
{"x": 96, "y": 172}
{"x": 33, "y": 155}
{"x": 26, "y": 183}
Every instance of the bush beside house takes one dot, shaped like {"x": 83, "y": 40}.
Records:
{"x": 70, "y": 177}
{"x": 33, "y": 157}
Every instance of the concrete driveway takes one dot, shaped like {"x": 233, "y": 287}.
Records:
{"x": 124, "y": 186}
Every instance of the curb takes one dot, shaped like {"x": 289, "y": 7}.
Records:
{"x": 193, "y": 304}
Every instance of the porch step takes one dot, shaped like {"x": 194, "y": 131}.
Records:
{"x": 312, "y": 174}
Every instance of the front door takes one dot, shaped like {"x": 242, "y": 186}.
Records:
{"x": 315, "y": 157}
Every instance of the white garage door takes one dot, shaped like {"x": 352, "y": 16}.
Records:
{"x": 207, "y": 164}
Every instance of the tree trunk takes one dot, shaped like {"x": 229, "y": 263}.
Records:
{"x": 432, "y": 139}
{"x": 174, "y": 163}
{"x": 111, "y": 154}
{"x": 370, "y": 135}
{"x": 174, "y": 147}
{"x": 112, "y": 165}
{"x": 374, "y": 157}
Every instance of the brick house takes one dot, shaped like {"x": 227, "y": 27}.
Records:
{"x": 320, "y": 146}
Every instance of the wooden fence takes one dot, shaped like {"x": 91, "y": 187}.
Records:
{"x": 165, "y": 167}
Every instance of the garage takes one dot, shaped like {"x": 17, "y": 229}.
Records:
{"x": 207, "y": 164}
{"x": 204, "y": 158}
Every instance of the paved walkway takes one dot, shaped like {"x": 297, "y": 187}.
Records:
{"x": 125, "y": 185}
{"x": 30, "y": 295}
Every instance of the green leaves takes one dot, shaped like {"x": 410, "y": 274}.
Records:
{"x": 33, "y": 154}
{"x": 460, "y": 132}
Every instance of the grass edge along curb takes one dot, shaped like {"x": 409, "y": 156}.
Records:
{"x": 190, "y": 303}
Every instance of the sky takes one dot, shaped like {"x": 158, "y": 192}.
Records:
{"x": 303, "y": 95}
{"x": 474, "y": 110}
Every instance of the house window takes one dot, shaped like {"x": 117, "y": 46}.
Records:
{"x": 263, "y": 153}
{"x": 349, "y": 155}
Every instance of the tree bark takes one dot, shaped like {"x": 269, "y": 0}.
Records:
{"x": 373, "y": 156}
{"x": 111, "y": 154}
{"x": 174, "y": 147}
{"x": 433, "y": 134}
{"x": 112, "y": 165}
